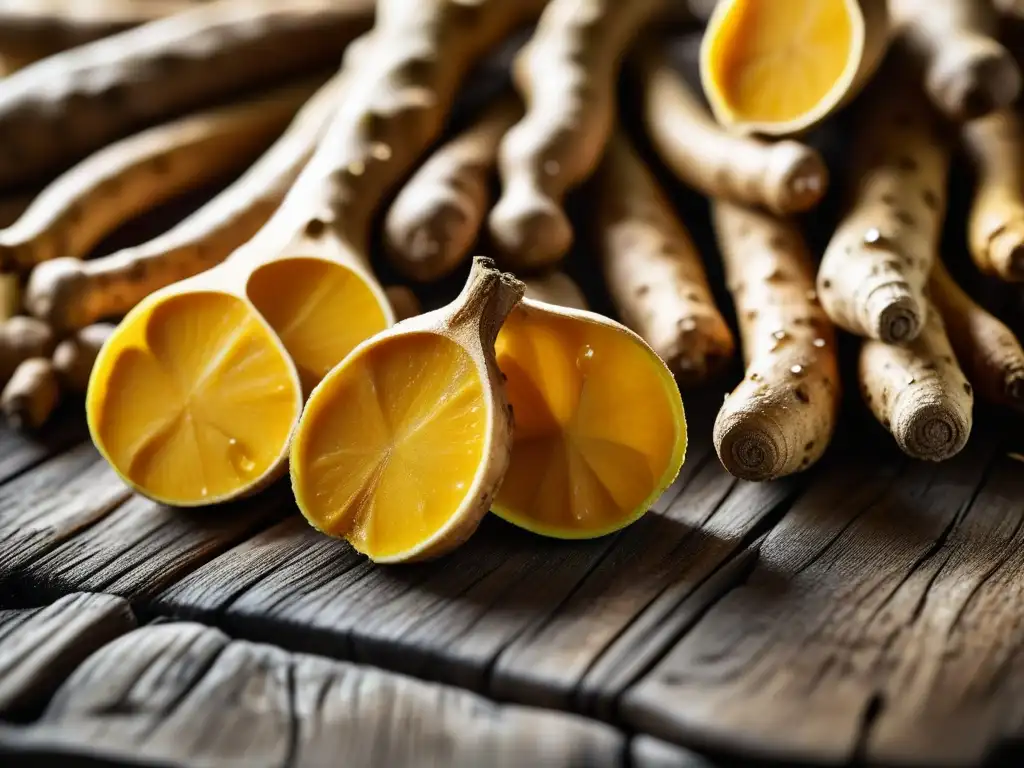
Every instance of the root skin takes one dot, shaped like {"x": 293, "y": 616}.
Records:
{"x": 31, "y": 395}
{"x": 781, "y": 417}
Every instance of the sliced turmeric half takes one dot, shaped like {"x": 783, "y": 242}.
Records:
{"x": 600, "y": 430}
{"x": 778, "y": 68}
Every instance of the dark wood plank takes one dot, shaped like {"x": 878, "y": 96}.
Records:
{"x": 40, "y": 647}
{"x": 882, "y": 621}
{"x": 20, "y": 451}
{"x": 536, "y": 611}
{"x": 185, "y": 693}
{"x": 140, "y": 547}
{"x": 648, "y": 752}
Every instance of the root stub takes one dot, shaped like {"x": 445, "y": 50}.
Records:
{"x": 750, "y": 452}
{"x": 933, "y": 432}
{"x": 895, "y": 317}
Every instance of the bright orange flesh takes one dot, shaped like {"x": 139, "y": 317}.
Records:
{"x": 772, "y": 62}
{"x": 390, "y": 443}
{"x": 320, "y": 310}
{"x": 192, "y": 400}
{"x": 599, "y": 427}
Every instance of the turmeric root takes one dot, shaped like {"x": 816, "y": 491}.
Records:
{"x": 75, "y": 356}
{"x": 918, "y": 392}
{"x": 403, "y": 301}
{"x": 48, "y": 26}
{"x": 876, "y": 266}
{"x": 69, "y": 293}
{"x": 111, "y": 87}
{"x": 31, "y": 395}
{"x": 299, "y": 296}
{"x": 566, "y": 75}
{"x": 652, "y": 269}
{"x": 784, "y": 176}
{"x": 556, "y": 288}
{"x": 436, "y": 218}
{"x": 780, "y": 418}
{"x": 995, "y": 229}
{"x": 989, "y": 352}
{"x": 21, "y": 338}
{"x": 135, "y": 174}
{"x": 967, "y": 73}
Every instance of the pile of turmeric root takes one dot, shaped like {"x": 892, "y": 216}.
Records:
{"x": 337, "y": 131}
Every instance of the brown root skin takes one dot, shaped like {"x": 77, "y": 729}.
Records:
{"x": 967, "y": 73}
{"x": 20, "y": 339}
{"x": 556, "y": 288}
{"x": 75, "y": 356}
{"x": 436, "y": 217}
{"x": 989, "y": 352}
{"x": 784, "y": 176}
{"x": 113, "y": 86}
{"x": 995, "y": 227}
{"x": 566, "y": 74}
{"x": 404, "y": 302}
{"x": 31, "y": 395}
{"x": 918, "y": 392}
{"x": 654, "y": 274}
{"x": 781, "y": 417}
{"x": 69, "y": 294}
{"x": 132, "y": 175}
{"x": 10, "y": 296}
{"x": 874, "y": 271}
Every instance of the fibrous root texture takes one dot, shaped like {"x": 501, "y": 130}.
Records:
{"x": 781, "y": 67}
{"x": 193, "y": 399}
{"x": 781, "y": 417}
{"x": 918, "y": 392}
{"x": 599, "y": 427}
{"x": 784, "y": 176}
{"x": 995, "y": 145}
{"x": 653, "y": 271}
{"x": 566, "y": 75}
{"x": 876, "y": 266}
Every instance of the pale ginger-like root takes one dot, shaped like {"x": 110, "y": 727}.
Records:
{"x": 988, "y": 351}
{"x": 556, "y": 288}
{"x": 918, "y": 392}
{"x": 404, "y": 303}
{"x": 876, "y": 266}
{"x": 48, "y": 26}
{"x": 566, "y": 74}
{"x": 784, "y": 176}
{"x": 436, "y": 218}
{"x": 116, "y": 85}
{"x": 69, "y": 293}
{"x": 83, "y": 205}
{"x": 31, "y": 395}
{"x": 21, "y": 338}
{"x": 781, "y": 417}
{"x": 75, "y": 356}
{"x": 653, "y": 271}
{"x": 967, "y": 72}
{"x": 995, "y": 227}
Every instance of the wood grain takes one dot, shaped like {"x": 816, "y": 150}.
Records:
{"x": 185, "y": 693}
{"x": 20, "y": 452}
{"x": 40, "y": 647}
{"x": 881, "y": 622}
{"x": 515, "y": 615}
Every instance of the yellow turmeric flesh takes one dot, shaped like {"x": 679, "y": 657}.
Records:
{"x": 599, "y": 425}
{"x": 206, "y": 399}
{"x": 780, "y": 67}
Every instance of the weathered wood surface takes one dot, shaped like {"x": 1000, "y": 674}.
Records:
{"x": 185, "y": 694}
{"x": 40, "y": 647}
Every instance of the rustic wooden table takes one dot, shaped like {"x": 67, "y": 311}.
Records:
{"x": 870, "y": 611}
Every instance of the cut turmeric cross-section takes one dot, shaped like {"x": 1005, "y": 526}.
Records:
{"x": 599, "y": 426}
{"x": 195, "y": 399}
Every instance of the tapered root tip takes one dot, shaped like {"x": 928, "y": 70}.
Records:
{"x": 532, "y": 233}
{"x": 932, "y": 431}
{"x": 893, "y": 315}
{"x": 802, "y": 177}
{"x": 974, "y": 78}
{"x": 1006, "y": 253}
{"x": 750, "y": 448}
{"x": 432, "y": 245}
